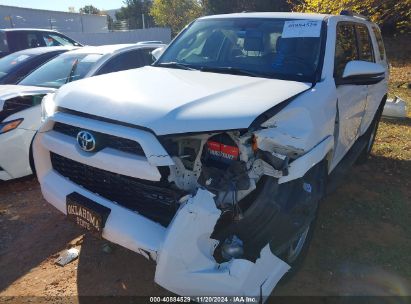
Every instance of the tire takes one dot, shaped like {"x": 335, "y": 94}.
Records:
{"x": 296, "y": 261}
{"x": 370, "y": 135}
{"x": 295, "y": 253}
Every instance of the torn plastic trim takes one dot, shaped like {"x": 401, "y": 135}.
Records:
{"x": 299, "y": 167}
{"x": 186, "y": 264}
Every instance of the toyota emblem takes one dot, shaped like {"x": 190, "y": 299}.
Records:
{"x": 86, "y": 141}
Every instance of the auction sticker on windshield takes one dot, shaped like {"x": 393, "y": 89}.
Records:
{"x": 301, "y": 28}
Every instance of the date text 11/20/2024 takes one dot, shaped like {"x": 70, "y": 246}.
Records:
{"x": 204, "y": 299}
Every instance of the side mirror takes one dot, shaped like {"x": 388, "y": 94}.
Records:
{"x": 359, "y": 72}
{"x": 158, "y": 52}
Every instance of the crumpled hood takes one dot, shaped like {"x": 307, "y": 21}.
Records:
{"x": 11, "y": 91}
{"x": 171, "y": 101}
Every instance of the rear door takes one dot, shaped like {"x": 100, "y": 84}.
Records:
{"x": 351, "y": 98}
{"x": 376, "y": 92}
{"x": 21, "y": 40}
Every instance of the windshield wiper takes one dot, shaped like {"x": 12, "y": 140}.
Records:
{"x": 175, "y": 65}
{"x": 231, "y": 70}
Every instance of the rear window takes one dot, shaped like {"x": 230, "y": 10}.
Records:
{"x": 364, "y": 42}
{"x": 380, "y": 42}
{"x": 12, "y": 61}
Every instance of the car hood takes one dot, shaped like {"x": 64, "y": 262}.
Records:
{"x": 11, "y": 91}
{"x": 171, "y": 101}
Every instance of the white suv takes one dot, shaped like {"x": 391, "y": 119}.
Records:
{"x": 212, "y": 161}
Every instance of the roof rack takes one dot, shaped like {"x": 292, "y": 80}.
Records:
{"x": 353, "y": 14}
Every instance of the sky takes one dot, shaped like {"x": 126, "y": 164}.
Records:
{"x": 63, "y": 5}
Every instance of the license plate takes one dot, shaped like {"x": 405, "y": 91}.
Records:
{"x": 87, "y": 213}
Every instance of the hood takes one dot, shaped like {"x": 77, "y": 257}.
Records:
{"x": 11, "y": 91}
{"x": 171, "y": 101}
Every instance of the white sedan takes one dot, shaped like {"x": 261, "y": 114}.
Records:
{"x": 20, "y": 104}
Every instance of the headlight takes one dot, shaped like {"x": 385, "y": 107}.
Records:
{"x": 10, "y": 125}
{"x": 48, "y": 107}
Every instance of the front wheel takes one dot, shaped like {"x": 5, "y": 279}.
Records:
{"x": 296, "y": 248}
{"x": 296, "y": 252}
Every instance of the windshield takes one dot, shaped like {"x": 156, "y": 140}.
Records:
{"x": 273, "y": 48}
{"x": 11, "y": 62}
{"x": 62, "y": 69}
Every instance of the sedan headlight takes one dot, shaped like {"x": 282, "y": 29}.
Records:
{"x": 48, "y": 107}
{"x": 10, "y": 125}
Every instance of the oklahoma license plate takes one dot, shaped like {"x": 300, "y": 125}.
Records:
{"x": 87, "y": 213}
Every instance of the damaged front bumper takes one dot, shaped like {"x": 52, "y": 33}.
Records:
{"x": 186, "y": 265}
{"x": 184, "y": 250}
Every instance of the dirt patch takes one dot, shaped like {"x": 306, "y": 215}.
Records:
{"x": 33, "y": 234}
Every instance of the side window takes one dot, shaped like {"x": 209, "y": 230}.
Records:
{"x": 51, "y": 39}
{"x": 380, "y": 42}
{"x": 33, "y": 40}
{"x": 364, "y": 43}
{"x": 17, "y": 41}
{"x": 125, "y": 61}
{"x": 345, "y": 48}
{"x": 147, "y": 56}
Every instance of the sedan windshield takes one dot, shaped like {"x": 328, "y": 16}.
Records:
{"x": 12, "y": 61}
{"x": 258, "y": 47}
{"x": 62, "y": 69}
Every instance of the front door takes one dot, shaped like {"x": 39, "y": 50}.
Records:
{"x": 351, "y": 98}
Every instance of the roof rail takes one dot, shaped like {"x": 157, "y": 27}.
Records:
{"x": 353, "y": 14}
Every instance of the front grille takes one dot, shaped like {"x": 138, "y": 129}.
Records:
{"x": 104, "y": 140}
{"x": 154, "y": 200}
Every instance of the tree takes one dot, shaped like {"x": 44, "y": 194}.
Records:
{"x": 133, "y": 13}
{"x": 235, "y": 6}
{"x": 175, "y": 14}
{"x": 89, "y": 9}
{"x": 391, "y": 15}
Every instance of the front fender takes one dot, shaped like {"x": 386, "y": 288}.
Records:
{"x": 301, "y": 165}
